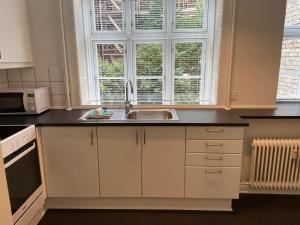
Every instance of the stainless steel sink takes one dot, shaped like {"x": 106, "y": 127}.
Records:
{"x": 152, "y": 114}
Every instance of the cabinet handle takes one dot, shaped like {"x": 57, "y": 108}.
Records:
{"x": 137, "y": 136}
{"x": 214, "y": 145}
{"x": 92, "y": 137}
{"x": 215, "y": 130}
{"x": 214, "y": 158}
{"x": 144, "y": 136}
{"x": 207, "y": 171}
{"x": 0, "y": 55}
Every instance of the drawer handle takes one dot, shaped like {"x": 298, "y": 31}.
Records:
{"x": 215, "y": 130}
{"x": 213, "y": 171}
{"x": 214, "y": 145}
{"x": 214, "y": 158}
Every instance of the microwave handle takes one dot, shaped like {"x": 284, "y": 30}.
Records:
{"x": 11, "y": 162}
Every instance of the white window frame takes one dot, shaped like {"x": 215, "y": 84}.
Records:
{"x": 169, "y": 35}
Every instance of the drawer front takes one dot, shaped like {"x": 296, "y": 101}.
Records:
{"x": 235, "y": 133}
{"x": 213, "y": 159}
{"x": 212, "y": 182}
{"x": 215, "y": 146}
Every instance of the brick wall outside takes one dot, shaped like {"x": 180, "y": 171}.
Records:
{"x": 289, "y": 78}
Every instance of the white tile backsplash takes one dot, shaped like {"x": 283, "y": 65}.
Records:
{"x": 42, "y": 74}
{"x": 43, "y": 84}
{"x": 57, "y": 88}
{"x": 56, "y": 73}
{"x": 51, "y": 77}
{"x": 14, "y": 75}
{"x": 3, "y": 76}
{"x": 28, "y": 74}
{"x": 58, "y": 101}
{"x": 17, "y": 84}
{"x": 29, "y": 84}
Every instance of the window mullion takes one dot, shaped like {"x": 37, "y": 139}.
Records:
{"x": 133, "y": 73}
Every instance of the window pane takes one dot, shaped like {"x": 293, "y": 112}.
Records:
{"x": 111, "y": 72}
{"x": 108, "y": 15}
{"x": 190, "y": 14}
{"x": 149, "y": 91}
{"x": 188, "y": 59}
{"x": 112, "y": 91}
{"x": 149, "y": 59}
{"x": 292, "y": 17}
{"x": 289, "y": 76}
{"x": 187, "y": 91}
{"x": 149, "y": 72}
{"x": 149, "y": 14}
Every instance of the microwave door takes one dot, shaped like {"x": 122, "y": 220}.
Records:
{"x": 12, "y": 102}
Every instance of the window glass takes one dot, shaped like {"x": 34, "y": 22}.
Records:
{"x": 149, "y": 14}
{"x": 190, "y": 14}
{"x": 289, "y": 76}
{"x": 111, "y": 72}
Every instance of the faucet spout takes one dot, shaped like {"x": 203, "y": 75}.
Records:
{"x": 128, "y": 105}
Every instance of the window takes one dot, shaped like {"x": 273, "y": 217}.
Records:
{"x": 167, "y": 49}
{"x": 289, "y": 77}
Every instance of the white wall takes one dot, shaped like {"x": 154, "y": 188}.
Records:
{"x": 256, "y": 53}
{"x": 45, "y": 28}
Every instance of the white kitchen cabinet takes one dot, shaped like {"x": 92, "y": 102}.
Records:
{"x": 15, "y": 43}
{"x": 120, "y": 161}
{"x": 141, "y": 161}
{"x": 213, "y": 162}
{"x": 71, "y": 161}
{"x": 163, "y": 157}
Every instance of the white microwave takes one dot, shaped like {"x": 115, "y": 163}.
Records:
{"x": 24, "y": 100}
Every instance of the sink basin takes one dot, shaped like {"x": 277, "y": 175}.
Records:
{"x": 152, "y": 114}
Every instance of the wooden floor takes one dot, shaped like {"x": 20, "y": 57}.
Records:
{"x": 249, "y": 210}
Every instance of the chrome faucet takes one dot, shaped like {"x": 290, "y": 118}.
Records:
{"x": 128, "y": 105}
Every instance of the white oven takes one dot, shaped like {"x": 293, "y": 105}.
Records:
{"x": 22, "y": 168}
{"x": 24, "y": 100}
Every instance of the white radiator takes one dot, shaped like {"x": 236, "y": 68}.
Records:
{"x": 275, "y": 164}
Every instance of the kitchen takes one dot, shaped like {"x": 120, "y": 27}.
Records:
{"x": 181, "y": 133}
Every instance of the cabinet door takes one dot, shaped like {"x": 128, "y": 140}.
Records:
{"x": 15, "y": 44}
{"x": 71, "y": 161}
{"x": 163, "y": 155}
{"x": 120, "y": 161}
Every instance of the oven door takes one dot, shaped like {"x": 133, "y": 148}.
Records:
{"x": 12, "y": 102}
{"x": 24, "y": 181}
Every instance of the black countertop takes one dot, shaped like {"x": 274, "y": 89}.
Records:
{"x": 286, "y": 110}
{"x": 191, "y": 117}
{"x": 60, "y": 117}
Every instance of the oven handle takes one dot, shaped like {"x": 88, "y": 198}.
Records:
{"x": 19, "y": 156}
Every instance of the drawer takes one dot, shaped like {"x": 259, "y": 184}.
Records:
{"x": 215, "y": 146}
{"x": 213, "y": 159}
{"x": 234, "y": 133}
{"x": 212, "y": 182}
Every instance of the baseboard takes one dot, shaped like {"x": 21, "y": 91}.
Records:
{"x": 139, "y": 203}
